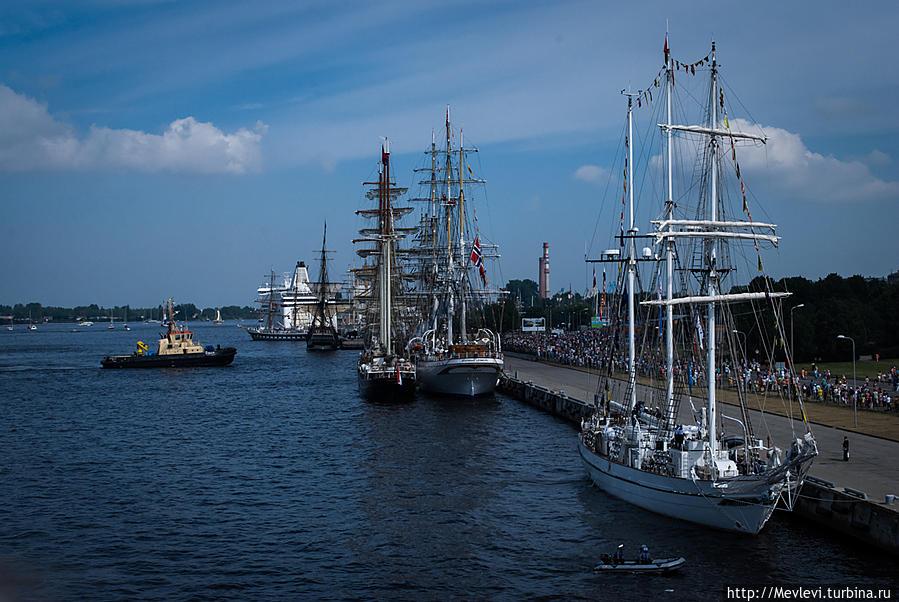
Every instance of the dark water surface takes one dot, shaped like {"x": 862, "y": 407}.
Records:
{"x": 273, "y": 479}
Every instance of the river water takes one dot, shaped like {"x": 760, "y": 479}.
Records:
{"x": 274, "y": 479}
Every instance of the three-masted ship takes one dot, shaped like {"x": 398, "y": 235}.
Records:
{"x": 322, "y": 335}
{"x": 455, "y": 352}
{"x": 285, "y": 307}
{"x": 383, "y": 371}
{"x": 693, "y": 469}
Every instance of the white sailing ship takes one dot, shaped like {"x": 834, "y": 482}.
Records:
{"x": 452, "y": 356}
{"x": 694, "y": 471}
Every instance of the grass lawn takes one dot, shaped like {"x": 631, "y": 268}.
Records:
{"x": 863, "y": 368}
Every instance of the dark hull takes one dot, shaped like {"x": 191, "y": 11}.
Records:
{"x": 219, "y": 357}
{"x": 322, "y": 340}
{"x": 275, "y": 335}
{"x": 386, "y": 389}
{"x": 356, "y": 344}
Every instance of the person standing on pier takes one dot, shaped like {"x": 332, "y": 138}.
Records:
{"x": 845, "y": 449}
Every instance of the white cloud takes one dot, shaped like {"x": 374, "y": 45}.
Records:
{"x": 807, "y": 175}
{"x": 590, "y": 173}
{"x": 878, "y": 157}
{"x": 32, "y": 139}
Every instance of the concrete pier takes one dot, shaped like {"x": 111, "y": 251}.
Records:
{"x": 848, "y": 496}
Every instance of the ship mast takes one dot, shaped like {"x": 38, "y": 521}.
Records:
{"x": 434, "y": 223}
{"x": 450, "y": 309}
{"x": 462, "y": 326}
{"x": 632, "y": 258}
{"x": 669, "y": 262}
{"x": 384, "y": 264}
{"x": 712, "y": 258}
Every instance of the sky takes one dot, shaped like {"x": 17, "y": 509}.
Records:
{"x": 185, "y": 149}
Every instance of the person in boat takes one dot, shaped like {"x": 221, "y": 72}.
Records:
{"x": 619, "y": 554}
{"x": 644, "y": 555}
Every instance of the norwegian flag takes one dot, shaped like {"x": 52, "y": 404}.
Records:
{"x": 478, "y": 259}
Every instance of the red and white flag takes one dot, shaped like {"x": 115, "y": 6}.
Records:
{"x": 478, "y": 259}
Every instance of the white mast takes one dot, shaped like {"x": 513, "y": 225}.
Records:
{"x": 713, "y": 275}
{"x": 384, "y": 266}
{"x": 632, "y": 258}
{"x": 669, "y": 261}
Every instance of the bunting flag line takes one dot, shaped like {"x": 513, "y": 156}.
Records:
{"x": 645, "y": 96}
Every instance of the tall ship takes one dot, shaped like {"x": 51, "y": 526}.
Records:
{"x": 322, "y": 334}
{"x": 456, "y": 353}
{"x": 176, "y": 348}
{"x": 286, "y": 307}
{"x": 700, "y": 465}
{"x": 383, "y": 371}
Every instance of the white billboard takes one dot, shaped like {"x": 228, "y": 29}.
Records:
{"x": 533, "y": 325}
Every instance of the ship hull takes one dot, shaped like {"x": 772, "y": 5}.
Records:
{"x": 276, "y": 335}
{"x": 383, "y": 386}
{"x": 322, "y": 341}
{"x": 468, "y": 377}
{"x": 744, "y": 506}
{"x": 219, "y": 357}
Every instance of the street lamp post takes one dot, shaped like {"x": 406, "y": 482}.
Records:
{"x": 854, "y": 383}
{"x": 792, "y": 349}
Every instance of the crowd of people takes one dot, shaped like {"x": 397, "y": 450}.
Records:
{"x": 594, "y": 348}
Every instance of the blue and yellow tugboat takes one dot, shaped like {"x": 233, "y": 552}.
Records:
{"x": 177, "y": 349}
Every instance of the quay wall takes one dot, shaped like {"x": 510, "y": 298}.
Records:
{"x": 847, "y": 511}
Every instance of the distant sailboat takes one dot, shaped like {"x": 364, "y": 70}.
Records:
{"x": 218, "y": 317}
{"x": 111, "y": 321}
{"x": 31, "y": 325}
{"x": 9, "y": 326}
{"x": 125, "y": 322}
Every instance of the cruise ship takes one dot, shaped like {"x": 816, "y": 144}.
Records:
{"x": 287, "y": 307}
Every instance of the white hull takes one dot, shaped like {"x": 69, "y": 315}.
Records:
{"x": 744, "y": 506}
{"x": 459, "y": 376}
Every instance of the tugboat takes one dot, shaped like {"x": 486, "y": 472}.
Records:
{"x": 177, "y": 349}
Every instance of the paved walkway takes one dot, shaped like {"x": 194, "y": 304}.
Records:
{"x": 873, "y": 467}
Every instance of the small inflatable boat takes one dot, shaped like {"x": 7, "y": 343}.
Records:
{"x": 656, "y": 565}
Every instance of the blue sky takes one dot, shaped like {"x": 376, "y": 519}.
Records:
{"x": 154, "y": 149}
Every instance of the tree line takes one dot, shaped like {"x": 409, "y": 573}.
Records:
{"x": 96, "y": 313}
{"x": 865, "y": 309}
